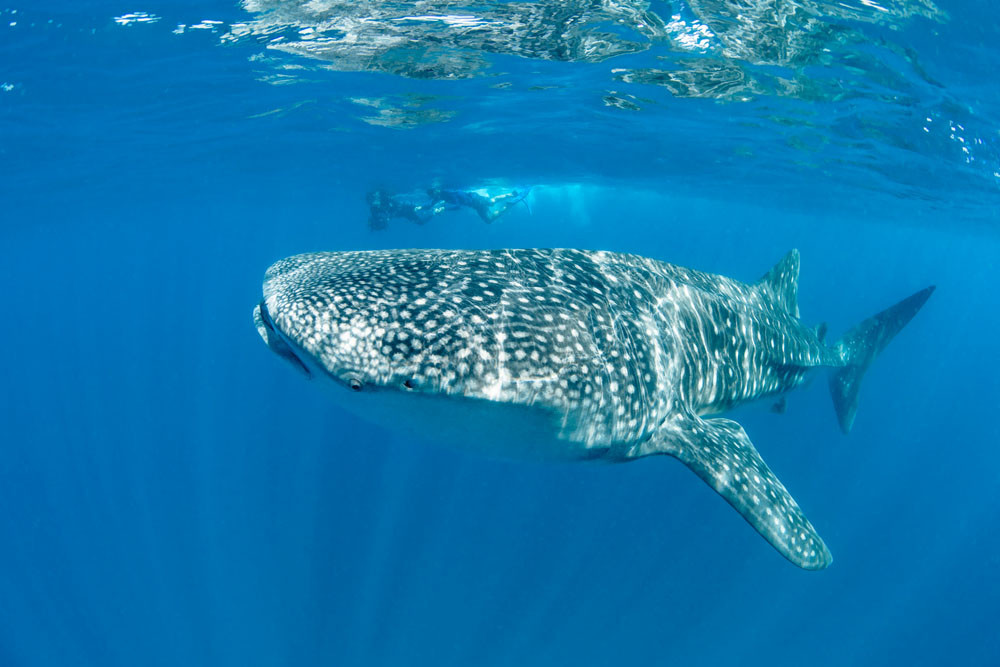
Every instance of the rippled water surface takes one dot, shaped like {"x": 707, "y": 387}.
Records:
{"x": 811, "y": 99}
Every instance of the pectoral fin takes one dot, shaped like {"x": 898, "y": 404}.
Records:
{"x": 719, "y": 451}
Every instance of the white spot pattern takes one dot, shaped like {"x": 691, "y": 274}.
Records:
{"x": 619, "y": 349}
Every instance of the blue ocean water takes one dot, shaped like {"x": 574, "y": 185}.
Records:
{"x": 173, "y": 493}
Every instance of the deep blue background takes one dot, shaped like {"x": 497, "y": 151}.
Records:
{"x": 173, "y": 493}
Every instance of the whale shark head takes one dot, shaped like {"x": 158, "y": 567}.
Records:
{"x": 335, "y": 316}
{"x": 381, "y": 321}
{"x": 411, "y": 339}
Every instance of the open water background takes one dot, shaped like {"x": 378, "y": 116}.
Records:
{"x": 172, "y": 493}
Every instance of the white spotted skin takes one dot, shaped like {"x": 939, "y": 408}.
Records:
{"x": 606, "y": 345}
{"x": 557, "y": 354}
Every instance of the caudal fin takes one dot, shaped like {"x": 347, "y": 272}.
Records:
{"x": 861, "y": 345}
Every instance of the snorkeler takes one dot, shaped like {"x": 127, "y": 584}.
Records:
{"x": 488, "y": 208}
{"x": 383, "y": 207}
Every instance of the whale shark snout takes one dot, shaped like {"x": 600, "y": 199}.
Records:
{"x": 274, "y": 340}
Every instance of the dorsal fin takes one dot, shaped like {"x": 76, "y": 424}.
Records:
{"x": 782, "y": 283}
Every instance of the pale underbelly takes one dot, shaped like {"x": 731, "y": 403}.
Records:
{"x": 494, "y": 429}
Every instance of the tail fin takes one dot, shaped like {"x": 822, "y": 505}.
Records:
{"x": 861, "y": 345}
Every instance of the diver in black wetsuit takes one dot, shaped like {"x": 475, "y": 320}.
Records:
{"x": 384, "y": 206}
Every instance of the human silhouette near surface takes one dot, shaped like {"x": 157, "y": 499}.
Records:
{"x": 385, "y": 206}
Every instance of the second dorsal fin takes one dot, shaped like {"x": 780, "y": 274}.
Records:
{"x": 782, "y": 283}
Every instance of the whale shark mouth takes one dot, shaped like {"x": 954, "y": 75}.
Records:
{"x": 275, "y": 340}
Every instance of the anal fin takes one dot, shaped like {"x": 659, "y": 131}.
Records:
{"x": 721, "y": 454}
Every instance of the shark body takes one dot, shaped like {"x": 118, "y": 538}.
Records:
{"x": 571, "y": 355}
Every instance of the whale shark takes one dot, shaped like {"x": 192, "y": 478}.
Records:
{"x": 571, "y": 355}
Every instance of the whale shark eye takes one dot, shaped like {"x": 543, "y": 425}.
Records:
{"x": 354, "y": 384}
{"x": 409, "y": 384}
